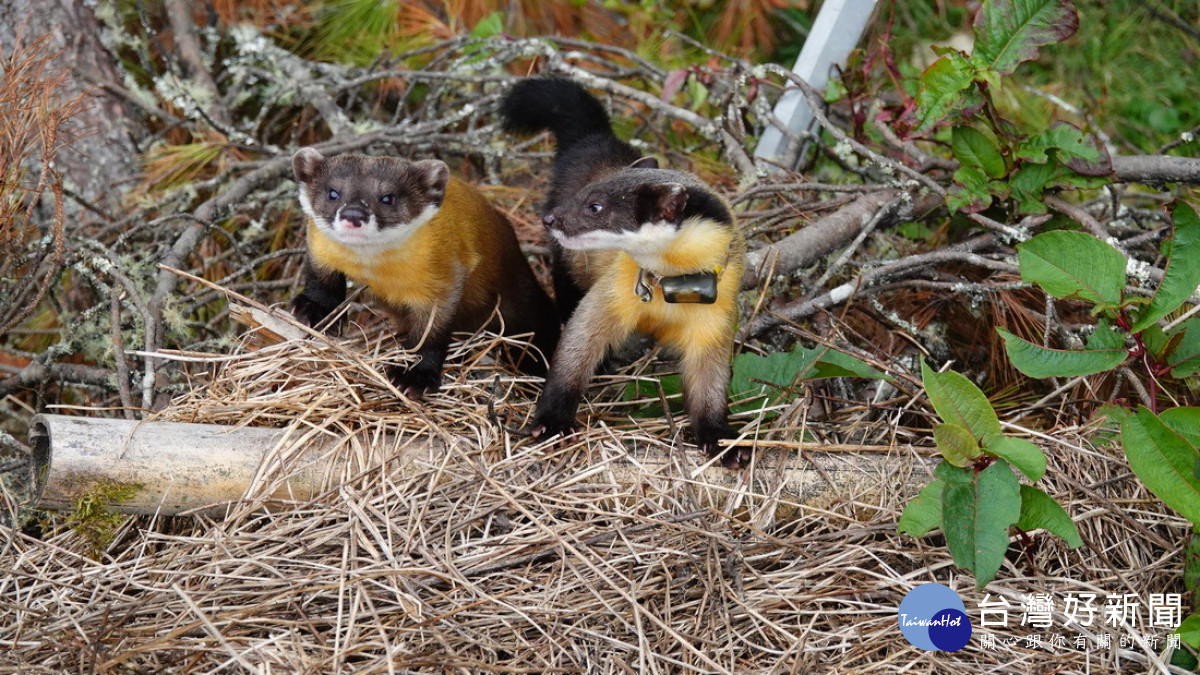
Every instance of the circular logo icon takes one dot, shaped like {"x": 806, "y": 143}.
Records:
{"x": 934, "y": 618}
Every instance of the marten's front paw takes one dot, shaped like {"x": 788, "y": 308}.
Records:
{"x": 415, "y": 382}
{"x": 732, "y": 457}
{"x": 309, "y": 313}
{"x": 550, "y": 423}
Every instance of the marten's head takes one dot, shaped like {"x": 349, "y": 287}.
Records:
{"x": 637, "y": 210}
{"x": 374, "y": 202}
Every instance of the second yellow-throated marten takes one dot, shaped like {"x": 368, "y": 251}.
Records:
{"x": 637, "y": 249}
{"x": 436, "y": 254}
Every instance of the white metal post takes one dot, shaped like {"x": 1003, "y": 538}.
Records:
{"x": 836, "y": 32}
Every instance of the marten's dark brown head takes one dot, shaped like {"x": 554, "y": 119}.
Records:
{"x": 636, "y": 210}
{"x": 369, "y": 201}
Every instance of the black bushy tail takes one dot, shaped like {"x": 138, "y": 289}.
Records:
{"x": 557, "y": 104}
{"x": 587, "y": 151}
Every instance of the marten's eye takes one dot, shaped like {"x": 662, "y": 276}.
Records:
{"x": 388, "y": 199}
{"x": 334, "y": 195}
{"x": 595, "y": 207}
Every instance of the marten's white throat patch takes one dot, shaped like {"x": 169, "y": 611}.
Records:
{"x": 650, "y": 240}
{"x": 370, "y": 235}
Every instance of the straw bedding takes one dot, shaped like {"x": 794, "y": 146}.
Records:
{"x": 506, "y": 555}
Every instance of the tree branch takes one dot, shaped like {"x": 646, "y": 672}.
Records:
{"x": 179, "y": 13}
{"x": 796, "y": 310}
{"x": 1156, "y": 169}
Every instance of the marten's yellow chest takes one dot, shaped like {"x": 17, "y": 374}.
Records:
{"x": 422, "y": 270}
{"x": 415, "y": 274}
{"x": 680, "y": 325}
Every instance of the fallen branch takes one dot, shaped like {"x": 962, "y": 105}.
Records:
{"x": 809, "y": 244}
{"x": 1156, "y": 169}
{"x": 796, "y": 310}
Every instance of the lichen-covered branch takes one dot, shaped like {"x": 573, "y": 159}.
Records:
{"x": 218, "y": 200}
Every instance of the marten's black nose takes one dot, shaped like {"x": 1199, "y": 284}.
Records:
{"x": 354, "y": 216}
{"x": 548, "y": 220}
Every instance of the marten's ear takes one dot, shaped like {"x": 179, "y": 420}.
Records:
{"x": 307, "y": 164}
{"x": 432, "y": 175}
{"x": 645, "y": 163}
{"x": 662, "y": 202}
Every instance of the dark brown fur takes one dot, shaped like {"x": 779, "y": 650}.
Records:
{"x": 433, "y": 251}
{"x": 613, "y": 216}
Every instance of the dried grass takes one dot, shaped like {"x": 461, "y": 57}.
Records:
{"x": 609, "y": 553}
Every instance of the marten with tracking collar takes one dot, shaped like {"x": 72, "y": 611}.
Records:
{"x": 637, "y": 249}
{"x": 432, "y": 250}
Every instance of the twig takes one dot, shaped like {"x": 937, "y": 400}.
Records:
{"x": 1080, "y": 216}
{"x": 814, "y": 103}
{"x": 179, "y": 13}
{"x": 119, "y": 354}
{"x": 818, "y": 239}
{"x": 965, "y": 253}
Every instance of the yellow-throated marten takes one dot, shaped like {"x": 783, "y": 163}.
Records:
{"x": 437, "y": 255}
{"x": 636, "y": 249}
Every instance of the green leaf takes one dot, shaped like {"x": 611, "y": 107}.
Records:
{"x": 1056, "y": 169}
{"x": 1182, "y": 276}
{"x": 956, "y": 444}
{"x": 947, "y": 91}
{"x": 1189, "y": 631}
{"x": 923, "y": 513}
{"x": 1037, "y": 361}
{"x": 957, "y": 401}
{"x": 971, "y": 191}
{"x": 835, "y": 90}
{"x": 1079, "y": 155}
{"x": 832, "y": 363}
{"x": 1070, "y": 264}
{"x": 1040, "y": 511}
{"x": 1027, "y": 457}
{"x": 759, "y": 380}
{"x": 1029, "y": 183}
{"x": 1191, "y": 564}
{"x": 1105, "y": 337}
{"x": 1157, "y": 343}
{"x": 974, "y": 149}
{"x": 949, "y": 473}
{"x": 1184, "y": 357}
{"x": 1069, "y": 141}
{"x": 1114, "y": 412}
{"x": 914, "y": 230}
{"x": 1185, "y": 421}
{"x": 647, "y": 391}
{"x": 976, "y": 515}
{"x": 698, "y": 93}
{"x": 1164, "y": 460}
{"x": 765, "y": 378}
{"x": 1008, "y": 32}
{"x": 1189, "y": 634}
{"x": 490, "y": 25}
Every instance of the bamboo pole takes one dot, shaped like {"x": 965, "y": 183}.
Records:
{"x": 172, "y": 468}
